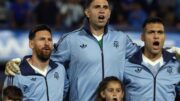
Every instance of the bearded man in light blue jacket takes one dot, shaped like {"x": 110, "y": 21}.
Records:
{"x": 41, "y": 79}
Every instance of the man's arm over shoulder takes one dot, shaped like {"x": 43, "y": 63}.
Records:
{"x": 178, "y": 85}
{"x": 61, "y": 52}
{"x": 66, "y": 86}
{"x": 65, "y": 80}
{"x": 11, "y": 80}
{"x": 131, "y": 47}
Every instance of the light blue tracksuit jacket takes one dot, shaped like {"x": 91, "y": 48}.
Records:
{"x": 87, "y": 63}
{"x": 36, "y": 87}
{"x": 142, "y": 85}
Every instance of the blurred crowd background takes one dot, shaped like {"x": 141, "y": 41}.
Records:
{"x": 68, "y": 14}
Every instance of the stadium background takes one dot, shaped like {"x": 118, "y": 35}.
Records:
{"x": 18, "y": 16}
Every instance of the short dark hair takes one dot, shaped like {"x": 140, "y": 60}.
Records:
{"x": 12, "y": 92}
{"x": 152, "y": 20}
{"x": 87, "y": 3}
{"x": 103, "y": 85}
{"x": 37, "y": 28}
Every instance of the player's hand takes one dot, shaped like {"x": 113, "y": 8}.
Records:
{"x": 12, "y": 67}
{"x": 178, "y": 56}
{"x": 175, "y": 50}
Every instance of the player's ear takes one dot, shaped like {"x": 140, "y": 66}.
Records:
{"x": 31, "y": 44}
{"x": 103, "y": 94}
{"x": 109, "y": 14}
{"x": 142, "y": 37}
{"x": 122, "y": 96}
{"x": 86, "y": 11}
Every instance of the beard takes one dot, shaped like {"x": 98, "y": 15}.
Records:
{"x": 42, "y": 55}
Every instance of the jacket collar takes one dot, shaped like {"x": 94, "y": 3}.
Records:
{"x": 86, "y": 27}
{"x": 137, "y": 57}
{"x": 26, "y": 69}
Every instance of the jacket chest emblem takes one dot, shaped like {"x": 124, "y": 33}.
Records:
{"x": 33, "y": 79}
{"x": 116, "y": 44}
{"x": 169, "y": 70}
{"x": 25, "y": 89}
{"x": 138, "y": 70}
{"x": 56, "y": 75}
{"x": 83, "y": 46}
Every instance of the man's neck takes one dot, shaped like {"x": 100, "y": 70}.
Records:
{"x": 153, "y": 63}
{"x": 96, "y": 30}
{"x": 38, "y": 63}
{"x": 152, "y": 57}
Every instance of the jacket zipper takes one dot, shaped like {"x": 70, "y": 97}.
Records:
{"x": 102, "y": 56}
{"x": 154, "y": 98}
{"x": 47, "y": 88}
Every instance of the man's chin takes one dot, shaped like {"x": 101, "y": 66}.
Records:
{"x": 101, "y": 24}
{"x": 156, "y": 52}
{"x": 44, "y": 57}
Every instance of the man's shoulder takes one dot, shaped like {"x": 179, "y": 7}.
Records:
{"x": 113, "y": 30}
{"x": 57, "y": 65}
{"x": 72, "y": 33}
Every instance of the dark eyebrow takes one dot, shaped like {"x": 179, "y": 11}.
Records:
{"x": 105, "y": 6}
{"x": 153, "y": 31}
{"x": 160, "y": 31}
{"x": 97, "y": 6}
